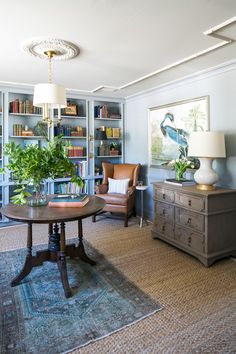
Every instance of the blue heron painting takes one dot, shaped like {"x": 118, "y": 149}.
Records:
{"x": 170, "y": 126}
{"x": 179, "y": 136}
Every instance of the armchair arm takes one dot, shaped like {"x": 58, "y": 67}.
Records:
{"x": 101, "y": 188}
{"x": 131, "y": 191}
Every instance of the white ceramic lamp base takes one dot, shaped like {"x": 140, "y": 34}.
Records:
{"x": 205, "y": 177}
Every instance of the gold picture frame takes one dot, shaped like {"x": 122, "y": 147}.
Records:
{"x": 71, "y": 110}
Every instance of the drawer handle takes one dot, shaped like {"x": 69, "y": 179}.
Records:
{"x": 189, "y": 221}
{"x": 163, "y": 196}
{"x": 163, "y": 228}
{"x": 189, "y": 203}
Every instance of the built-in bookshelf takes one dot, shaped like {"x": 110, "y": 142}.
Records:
{"x": 1, "y": 151}
{"x": 108, "y": 117}
{"x": 21, "y": 122}
{"x": 25, "y": 120}
{"x": 74, "y": 129}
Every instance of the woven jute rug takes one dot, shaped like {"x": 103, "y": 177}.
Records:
{"x": 199, "y": 313}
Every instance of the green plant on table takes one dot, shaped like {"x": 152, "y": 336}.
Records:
{"x": 180, "y": 166}
{"x": 34, "y": 164}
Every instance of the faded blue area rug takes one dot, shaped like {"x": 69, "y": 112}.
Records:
{"x": 37, "y": 318}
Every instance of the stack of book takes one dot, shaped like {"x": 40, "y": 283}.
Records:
{"x": 69, "y": 201}
{"x": 76, "y": 151}
{"x": 82, "y": 168}
{"x": 25, "y": 107}
{"x": 182, "y": 182}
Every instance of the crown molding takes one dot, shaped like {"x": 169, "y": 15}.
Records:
{"x": 185, "y": 80}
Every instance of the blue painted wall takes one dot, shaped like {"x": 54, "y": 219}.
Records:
{"x": 219, "y": 84}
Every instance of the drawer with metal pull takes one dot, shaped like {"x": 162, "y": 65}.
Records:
{"x": 161, "y": 226}
{"x": 163, "y": 194}
{"x": 165, "y": 210}
{"x": 190, "y": 239}
{"x": 190, "y": 201}
{"x": 190, "y": 219}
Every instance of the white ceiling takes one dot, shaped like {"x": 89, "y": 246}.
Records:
{"x": 120, "y": 41}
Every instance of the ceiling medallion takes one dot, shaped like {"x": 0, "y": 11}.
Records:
{"x": 39, "y": 46}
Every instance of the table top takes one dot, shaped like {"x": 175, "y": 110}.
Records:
{"x": 46, "y": 214}
{"x": 141, "y": 188}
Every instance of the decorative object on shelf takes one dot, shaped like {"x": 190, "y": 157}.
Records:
{"x": 180, "y": 166}
{"x": 70, "y": 110}
{"x": 50, "y": 96}
{"x": 34, "y": 164}
{"x": 170, "y": 126}
{"x": 101, "y": 135}
{"x": 206, "y": 146}
{"x": 41, "y": 129}
{"x": 114, "y": 149}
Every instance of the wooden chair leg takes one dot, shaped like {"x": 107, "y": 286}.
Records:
{"x": 126, "y": 220}
{"x": 94, "y": 218}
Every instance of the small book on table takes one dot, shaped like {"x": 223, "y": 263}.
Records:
{"x": 182, "y": 182}
{"x": 69, "y": 201}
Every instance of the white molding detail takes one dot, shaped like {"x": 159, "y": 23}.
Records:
{"x": 37, "y": 47}
{"x": 66, "y": 50}
{"x": 198, "y": 76}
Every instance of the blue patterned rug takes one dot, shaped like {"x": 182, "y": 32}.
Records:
{"x": 35, "y": 316}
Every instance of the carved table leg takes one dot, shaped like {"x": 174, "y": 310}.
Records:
{"x": 28, "y": 261}
{"x": 53, "y": 241}
{"x": 81, "y": 251}
{"x": 61, "y": 262}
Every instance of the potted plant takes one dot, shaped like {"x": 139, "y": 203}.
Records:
{"x": 32, "y": 165}
{"x": 180, "y": 166}
{"x": 114, "y": 148}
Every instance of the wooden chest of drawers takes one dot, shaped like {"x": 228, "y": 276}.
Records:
{"x": 201, "y": 223}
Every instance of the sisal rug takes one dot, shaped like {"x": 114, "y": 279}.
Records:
{"x": 37, "y": 318}
{"x": 199, "y": 313}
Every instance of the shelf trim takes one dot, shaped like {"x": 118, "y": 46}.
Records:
{"x": 73, "y": 137}
{"x": 109, "y": 156}
{"x": 110, "y": 119}
{"x": 25, "y": 114}
{"x": 27, "y": 137}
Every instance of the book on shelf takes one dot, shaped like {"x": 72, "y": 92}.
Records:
{"x": 182, "y": 182}
{"x": 69, "y": 201}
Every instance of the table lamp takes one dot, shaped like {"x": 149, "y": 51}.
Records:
{"x": 206, "y": 146}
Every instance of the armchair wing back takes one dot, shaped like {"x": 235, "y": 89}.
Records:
{"x": 115, "y": 202}
{"x": 121, "y": 171}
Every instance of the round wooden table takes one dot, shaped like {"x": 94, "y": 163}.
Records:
{"x": 57, "y": 249}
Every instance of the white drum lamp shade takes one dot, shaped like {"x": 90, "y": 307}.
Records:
{"x": 206, "y": 146}
{"x": 50, "y": 94}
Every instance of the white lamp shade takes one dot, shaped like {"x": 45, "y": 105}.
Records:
{"x": 51, "y": 94}
{"x": 207, "y": 144}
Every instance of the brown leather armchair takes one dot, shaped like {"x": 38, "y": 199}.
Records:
{"x": 115, "y": 202}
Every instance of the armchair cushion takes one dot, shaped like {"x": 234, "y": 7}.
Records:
{"x": 118, "y": 185}
{"x": 115, "y": 199}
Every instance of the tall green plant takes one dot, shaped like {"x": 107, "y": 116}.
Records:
{"x": 34, "y": 164}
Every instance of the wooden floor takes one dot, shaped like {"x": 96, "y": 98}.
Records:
{"x": 199, "y": 313}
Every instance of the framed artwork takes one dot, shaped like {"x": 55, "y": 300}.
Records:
{"x": 170, "y": 126}
{"x": 71, "y": 110}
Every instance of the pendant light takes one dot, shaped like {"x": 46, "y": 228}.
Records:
{"x": 50, "y": 96}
